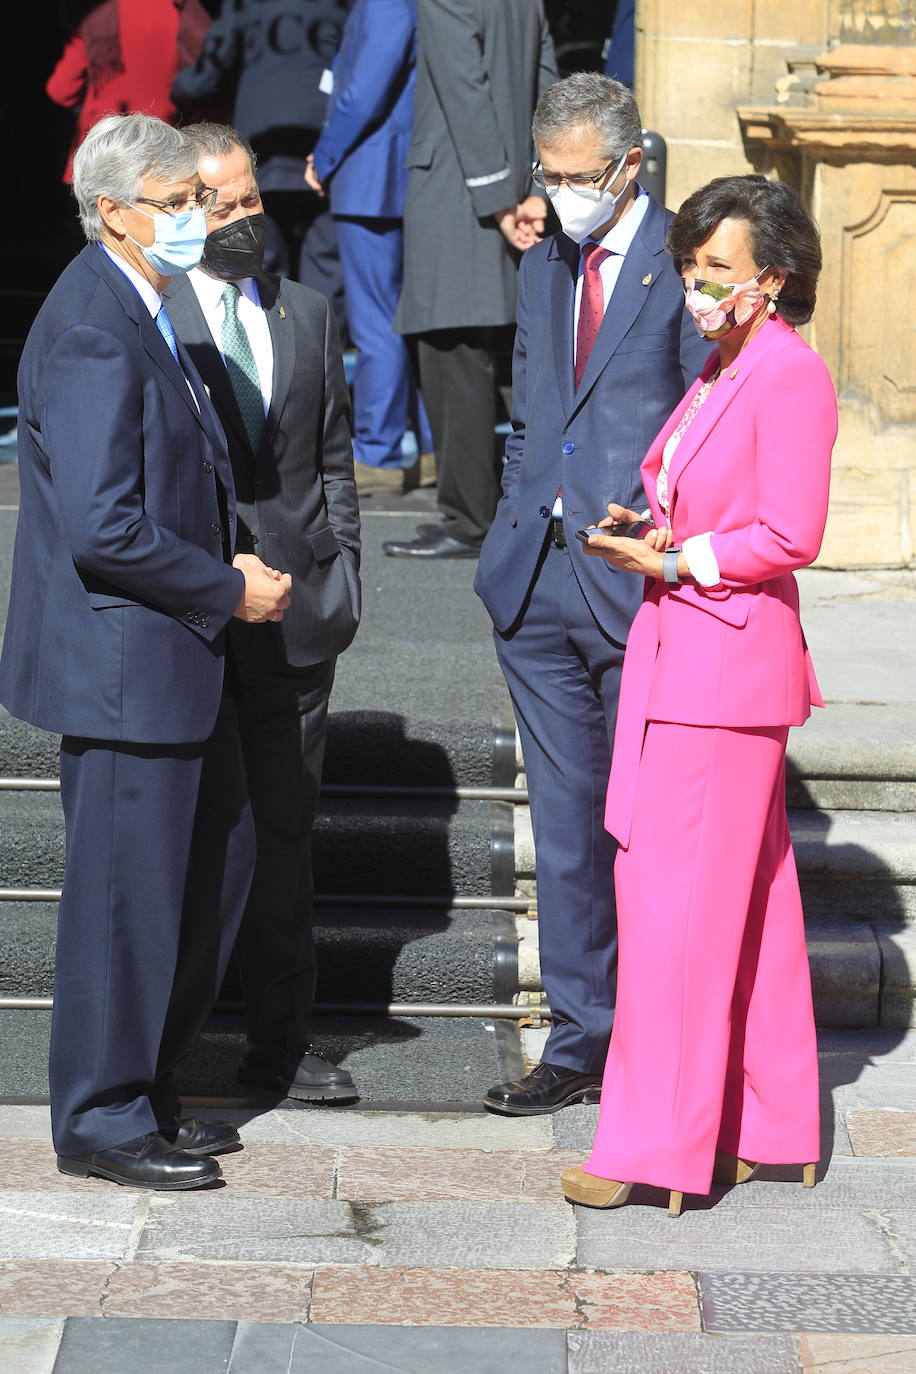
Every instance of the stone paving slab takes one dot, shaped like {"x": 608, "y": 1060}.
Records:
{"x": 617, "y": 1352}
{"x": 212, "y": 1292}
{"x": 443, "y": 1297}
{"x": 28, "y": 1345}
{"x": 53, "y": 1288}
{"x": 766, "y": 1239}
{"x": 850, "y": 1184}
{"x": 868, "y": 1046}
{"x": 821, "y": 1352}
{"x": 285, "y": 1230}
{"x": 427, "y": 1131}
{"x": 890, "y": 1134}
{"x": 381, "y": 1350}
{"x": 36, "y": 1226}
{"x": 858, "y": 1086}
{"x": 518, "y": 1235}
{"x": 124, "y": 1347}
{"x": 574, "y": 1128}
{"x": 370, "y": 1175}
{"x": 829, "y": 1301}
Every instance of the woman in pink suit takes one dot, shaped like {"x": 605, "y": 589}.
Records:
{"x": 713, "y": 1062}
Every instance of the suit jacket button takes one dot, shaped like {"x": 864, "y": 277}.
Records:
{"x": 214, "y": 528}
{"x": 544, "y": 512}
{"x": 569, "y": 448}
{"x": 203, "y": 622}
{"x": 208, "y": 467}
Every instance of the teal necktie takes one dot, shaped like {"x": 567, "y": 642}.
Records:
{"x": 240, "y": 363}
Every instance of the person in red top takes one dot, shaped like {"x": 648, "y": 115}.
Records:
{"x": 123, "y": 58}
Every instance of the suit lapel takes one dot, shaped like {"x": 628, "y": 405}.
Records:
{"x": 563, "y": 258}
{"x": 194, "y": 332}
{"x": 283, "y": 339}
{"x": 719, "y": 399}
{"x": 638, "y": 273}
{"x": 153, "y": 342}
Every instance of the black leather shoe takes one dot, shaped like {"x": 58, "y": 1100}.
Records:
{"x": 546, "y": 1088}
{"x": 147, "y": 1162}
{"x": 201, "y": 1137}
{"x": 307, "y": 1077}
{"x": 431, "y": 545}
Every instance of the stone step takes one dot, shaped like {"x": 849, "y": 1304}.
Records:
{"x": 861, "y": 977}
{"x": 391, "y": 846}
{"x": 364, "y": 748}
{"x": 853, "y": 756}
{"x": 853, "y": 865}
{"x": 375, "y": 957}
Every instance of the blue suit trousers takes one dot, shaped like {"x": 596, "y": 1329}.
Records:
{"x": 385, "y": 397}
{"x": 160, "y": 851}
{"x": 563, "y": 673}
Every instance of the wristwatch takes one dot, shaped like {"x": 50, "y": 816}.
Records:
{"x": 669, "y": 565}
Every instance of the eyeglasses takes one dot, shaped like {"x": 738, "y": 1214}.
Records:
{"x": 576, "y": 183}
{"x": 204, "y": 199}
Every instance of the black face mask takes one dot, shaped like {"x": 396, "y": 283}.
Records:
{"x": 237, "y": 249}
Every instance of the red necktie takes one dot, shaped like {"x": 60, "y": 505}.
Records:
{"x": 591, "y": 306}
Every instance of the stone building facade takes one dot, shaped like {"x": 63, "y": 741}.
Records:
{"x": 822, "y": 94}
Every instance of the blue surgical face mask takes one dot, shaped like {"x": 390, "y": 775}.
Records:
{"x": 179, "y": 241}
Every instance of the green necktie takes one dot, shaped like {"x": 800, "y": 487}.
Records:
{"x": 243, "y": 374}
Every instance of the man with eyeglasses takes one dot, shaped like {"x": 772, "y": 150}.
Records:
{"x": 124, "y": 580}
{"x": 480, "y": 67}
{"x": 268, "y": 350}
{"x": 603, "y": 352}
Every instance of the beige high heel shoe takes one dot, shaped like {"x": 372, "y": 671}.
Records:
{"x": 590, "y": 1191}
{"x": 731, "y": 1169}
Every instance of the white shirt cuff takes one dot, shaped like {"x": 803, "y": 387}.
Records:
{"x": 701, "y": 560}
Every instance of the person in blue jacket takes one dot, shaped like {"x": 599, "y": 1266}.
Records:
{"x": 359, "y": 162}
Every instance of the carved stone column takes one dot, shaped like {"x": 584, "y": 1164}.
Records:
{"x": 851, "y": 155}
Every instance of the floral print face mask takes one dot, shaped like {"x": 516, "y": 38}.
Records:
{"x": 719, "y": 307}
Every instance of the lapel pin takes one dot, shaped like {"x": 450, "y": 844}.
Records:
{"x": 282, "y": 313}
{"x": 733, "y": 374}
{"x": 647, "y": 278}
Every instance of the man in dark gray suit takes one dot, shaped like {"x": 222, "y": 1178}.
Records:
{"x": 603, "y": 353}
{"x": 481, "y": 66}
{"x": 268, "y": 351}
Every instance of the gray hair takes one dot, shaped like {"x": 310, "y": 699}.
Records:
{"x": 588, "y": 101}
{"x": 218, "y": 140}
{"x": 117, "y": 154}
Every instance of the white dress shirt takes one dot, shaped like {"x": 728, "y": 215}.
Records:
{"x": 617, "y": 239}
{"x": 209, "y": 292}
{"x": 147, "y": 293}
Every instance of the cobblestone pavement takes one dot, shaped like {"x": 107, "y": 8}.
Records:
{"x": 355, "y": 1241}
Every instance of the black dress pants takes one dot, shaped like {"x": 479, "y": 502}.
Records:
{"x": 283, "y": 715}
{"x": 462, "y": 374}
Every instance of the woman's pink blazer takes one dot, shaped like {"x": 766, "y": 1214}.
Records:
{"x": 754, "y": 468}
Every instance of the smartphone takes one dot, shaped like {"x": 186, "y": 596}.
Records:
{"x": 632, "y": 529}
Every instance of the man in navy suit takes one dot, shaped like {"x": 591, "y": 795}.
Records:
{"x": 604, "y": 350}
{"x": 122, "y": 588}
{"x": 360, "y": 162}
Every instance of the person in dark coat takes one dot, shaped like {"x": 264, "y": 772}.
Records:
{"x": 360, "y": 163}
{"x": 602, "y": 356}
{"x": 268, "y": 350}
{"x": 481, "y": 66}
{"x": 124, "y": 580}
{"x": 268, "y": 58}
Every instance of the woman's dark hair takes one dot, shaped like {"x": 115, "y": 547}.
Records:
{"x": 782, "y": 234}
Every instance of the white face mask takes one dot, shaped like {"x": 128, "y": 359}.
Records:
{"x": 579, "y": 212}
